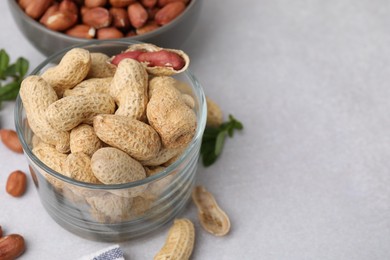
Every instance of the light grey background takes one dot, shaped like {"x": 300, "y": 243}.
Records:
{"x": 309, "y": 177}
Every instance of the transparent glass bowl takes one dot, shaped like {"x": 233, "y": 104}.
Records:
{"x": 111, "y": 212}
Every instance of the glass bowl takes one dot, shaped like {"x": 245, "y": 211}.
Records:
{"x": 115, "y": 212}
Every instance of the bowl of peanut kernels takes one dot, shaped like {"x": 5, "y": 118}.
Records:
{"x": 112, "y": 131}
{"x": 51, "y": 25}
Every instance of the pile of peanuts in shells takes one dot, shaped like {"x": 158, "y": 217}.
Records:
{"x": 103, "y": 19}
{"x": 112, "y": 120}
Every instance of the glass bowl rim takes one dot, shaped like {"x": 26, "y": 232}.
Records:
{"x": 201, "y": 124}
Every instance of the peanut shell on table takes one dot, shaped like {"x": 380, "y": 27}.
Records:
{"x": 212, "y": 218}
{"x": 180, "y": 241}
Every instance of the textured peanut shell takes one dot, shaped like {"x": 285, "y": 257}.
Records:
{"x": 140, "y": 206}
{"x": 129, "y": 87}
{"x": 160, "y": 71}
{"x": 37, "y": 95}
{"x": 70, "y": 111}
{"x": 78, "y": 167}
{"x": 180, "y": 241}
{"x": 113, "y": 166}
{"x": 188, "y": 100}
{"x": 109, "y": 208}
{"x": 71, "y": 70}
{"x": 156, "y": 187}
{"x": 83, "y": 139}
{"x": 214, "y": 114}
{"x": 168, "y": 113}
{"x": 134, "y": 137}
{"x": 90, "y": 86}
{"x": 100, "y": 66}
{"x": 164, "y": 155}
{"x": 212, "y": 218}
{"x": 53, "y": 159}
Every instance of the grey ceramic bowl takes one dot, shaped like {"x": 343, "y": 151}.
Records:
{"x": 171, "y": 35}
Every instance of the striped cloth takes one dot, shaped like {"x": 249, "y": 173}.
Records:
{"x": 110, "y": 253}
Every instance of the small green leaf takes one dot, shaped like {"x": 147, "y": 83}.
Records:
{"x": 219, "y": 143}
{"x": 209, "y": 159}
{"x": 21, "y": 66}
{"x": 4, "y": 61}
{"x": 11, "y": 71}
{"x": 9, "y": 91}
{"x": 214, "y": 138}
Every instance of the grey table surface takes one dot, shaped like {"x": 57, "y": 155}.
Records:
{"x": 309, "y": 177}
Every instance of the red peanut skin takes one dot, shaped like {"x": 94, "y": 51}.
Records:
{"x": 120, "y": 19}
{"x": 97, "y": 17}
{"x": 165, "y": 2}
{"x": 69, "y": 6}
{"x": 162, "y": 58}
{"x": 148, "y": 3}
{"x": 16, "y": 183}
{"x": 169, "y": 12}
{"x": 125, "y": 55}
{"x": 10, "y": 139}
{"x": 108, "y": 33}
{"x": 137, "y": 15}
{"x": 36, "y": 8}
{"x": 81, "y": 31}
{"x": 95, "y": 3}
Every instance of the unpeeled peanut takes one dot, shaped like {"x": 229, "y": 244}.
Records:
{"x": 180, "y": 241}
{"x": 168, "y": 114}
{"x": 110, "y": 208}
{"x": 129, "y": 87}
{"x": 83, "y": 139}
{"x": 100, "y": 66}
{"x": 90, "y": 86}
{"x": 37, "y": 95}
{"x": 78, "y": 167}
{"x": 134, "y": 137}
{"x": 71, "y": 70}
{"x": 113, "y": 166}
{"x": 68, "y": 112}
{"x": 214, "y": 114}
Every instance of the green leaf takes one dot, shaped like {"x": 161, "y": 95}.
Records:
{"x": 12, "y": 74}
{"x": 219, "y": 143}
{"x": 208, "y": 159}
{"x": 4, "y": 61}
{"x": 10, "y": 91}
{"x": 21, "y": 66}
{"x": 214, "y": 138}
